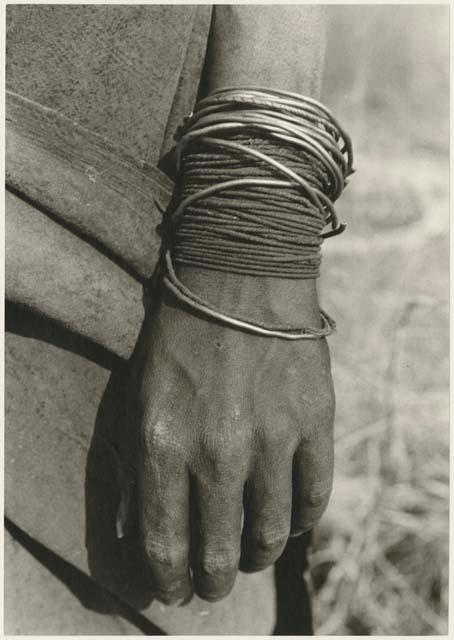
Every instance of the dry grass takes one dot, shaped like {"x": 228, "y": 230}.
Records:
{"x": 380, "y": 561}
{"x": 380, "y": 565}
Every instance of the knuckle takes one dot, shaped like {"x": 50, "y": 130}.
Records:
{"x": 220, "y": 458}
{"x": 159, "y": 441}
{"x": 318, "y": 500}
{"x": 318, "y": 428}
{"x": 320, "y": 423}
{"x": 326, "y": 403}
{"x": 315, "y": 504}
{"x": 168, "y": 558}
{"x": 280, "y": 440}
{"x": 268, "y": 541}
{"x": 219, "y": 562}
{"x": 322, "y": 404}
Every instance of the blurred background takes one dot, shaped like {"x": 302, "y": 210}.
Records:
{"x": 380, "y": 563}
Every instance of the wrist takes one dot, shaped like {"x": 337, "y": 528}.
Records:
{"x": 263, "y": 299}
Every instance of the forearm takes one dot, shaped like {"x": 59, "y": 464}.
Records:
{"x": 276, "y": 46}
{"x": 279, "y": 47}
{"x": 237, "y": 425}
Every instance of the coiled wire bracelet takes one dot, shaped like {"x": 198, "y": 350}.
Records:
{"x": 271, "y": 221}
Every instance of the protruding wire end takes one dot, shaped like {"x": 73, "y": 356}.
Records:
{"x": 334, "y": 232}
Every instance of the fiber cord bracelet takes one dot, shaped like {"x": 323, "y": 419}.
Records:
{"x": 295, "y": 226}
{"x": 297, "y": 160}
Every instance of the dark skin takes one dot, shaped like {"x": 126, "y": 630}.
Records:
{"x": 233, "y": 424}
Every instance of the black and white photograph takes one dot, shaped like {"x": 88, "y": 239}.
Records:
{"x": 227, "y": 329}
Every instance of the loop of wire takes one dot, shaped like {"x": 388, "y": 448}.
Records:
{"x": 261, "y": 170}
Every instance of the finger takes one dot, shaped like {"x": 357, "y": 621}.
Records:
{"x": 312, "y": 481}
{"x": 165, "y": 518}
{"x": 268, "y": 504}
{"x": 218, "y": 508}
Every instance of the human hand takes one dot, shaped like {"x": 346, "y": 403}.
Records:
{"x": 230, "y": 421}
